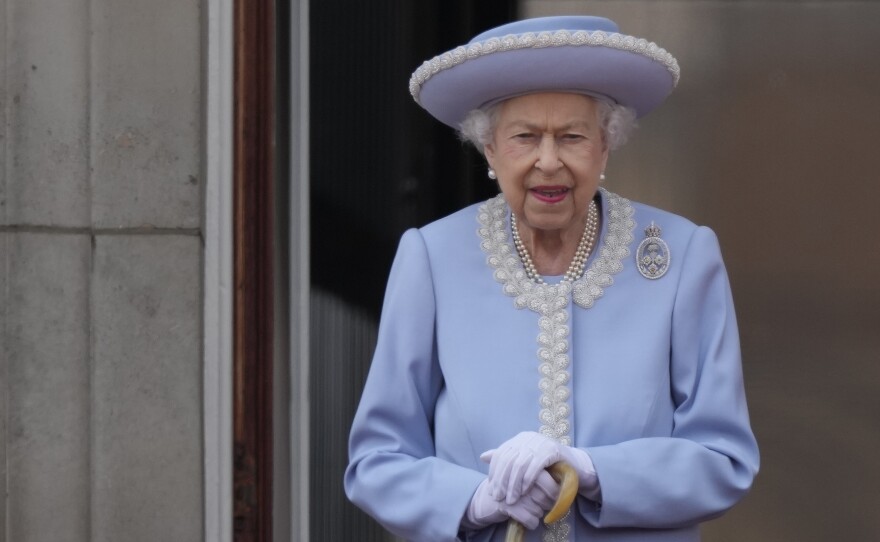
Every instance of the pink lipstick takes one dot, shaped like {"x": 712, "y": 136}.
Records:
{"x": 549, "y": 194}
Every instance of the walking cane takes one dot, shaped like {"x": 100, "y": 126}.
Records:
{"x": 567, "y": 479}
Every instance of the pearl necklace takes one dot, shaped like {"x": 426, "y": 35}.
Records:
{"x": 578, "y": 263}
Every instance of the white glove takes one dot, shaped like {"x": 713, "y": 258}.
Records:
{"x": 485, "y": 510}
{"x": 515, "y": 465}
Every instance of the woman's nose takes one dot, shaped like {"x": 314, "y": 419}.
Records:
{"x": 548, "y": 156}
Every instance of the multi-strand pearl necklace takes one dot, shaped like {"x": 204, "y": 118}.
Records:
{"x": 578, "y": 263}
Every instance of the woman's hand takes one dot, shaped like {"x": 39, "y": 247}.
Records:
{"x": 515, "y": 465}
{"x": 485, "y": 510}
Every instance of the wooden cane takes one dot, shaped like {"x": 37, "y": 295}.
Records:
{"x": 567, "y": 478}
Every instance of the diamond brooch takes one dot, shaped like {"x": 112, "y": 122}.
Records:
{"x": 652, "y": 256}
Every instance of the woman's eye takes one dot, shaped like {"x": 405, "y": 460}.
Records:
{"x": 572, "y": 137}
{"x": 524, "y": 136}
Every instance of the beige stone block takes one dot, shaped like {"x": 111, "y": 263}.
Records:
{"x": 46, "y": 131}
{"x": 147, "y": 439}
{"x": 4, "y": 357}
{"x": 146, "y": 111}
{"x": 3, "y": 93}
{"x": 46, "y": 355}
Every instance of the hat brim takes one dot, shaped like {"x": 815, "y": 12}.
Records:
{"x": 627, "y": 70}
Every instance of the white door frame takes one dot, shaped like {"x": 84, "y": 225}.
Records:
{"x": 218, "y": 279}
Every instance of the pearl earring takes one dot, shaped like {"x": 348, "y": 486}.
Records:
{"x": 491, "y": 174}
{"x": 602, "y": 176}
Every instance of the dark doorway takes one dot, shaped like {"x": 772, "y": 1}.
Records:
{"x": 379, "y": 165}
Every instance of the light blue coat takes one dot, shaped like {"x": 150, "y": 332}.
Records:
{"x": 655, "y": 385}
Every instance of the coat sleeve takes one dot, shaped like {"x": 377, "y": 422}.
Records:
{"x": 709, "y": 461}
{"x": 393, "y": 473}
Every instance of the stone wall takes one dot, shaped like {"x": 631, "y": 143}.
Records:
{"x": 101, "y": 260}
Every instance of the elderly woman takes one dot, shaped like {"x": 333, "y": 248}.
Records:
{"x": 556, "y": 322}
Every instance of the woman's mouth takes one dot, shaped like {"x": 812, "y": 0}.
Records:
{"x": 549, "y": 194}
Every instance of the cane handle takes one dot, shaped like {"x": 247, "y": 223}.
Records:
{"x": 567, "y": 478}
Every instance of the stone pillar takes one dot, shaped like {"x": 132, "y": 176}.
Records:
{"x": 101, "y": 270}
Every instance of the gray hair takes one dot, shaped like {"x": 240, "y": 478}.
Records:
{"x": 616, "y": 121}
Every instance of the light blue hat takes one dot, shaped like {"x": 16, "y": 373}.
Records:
{"x": 579, "y": 54}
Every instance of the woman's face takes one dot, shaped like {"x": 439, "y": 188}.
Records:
{"x": 548, "y": 152}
